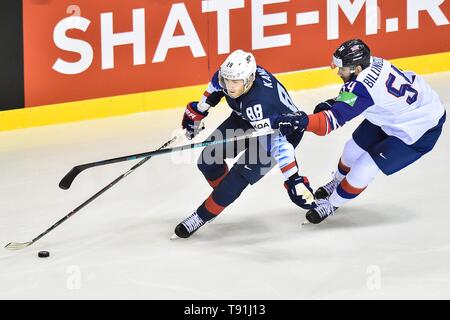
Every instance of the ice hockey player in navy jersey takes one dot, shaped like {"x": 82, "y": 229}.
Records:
{"x": 256, "y": 99}
{"x": 403, "y": 121}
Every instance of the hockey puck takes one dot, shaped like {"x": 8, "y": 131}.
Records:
{"x": 43, "y": 254}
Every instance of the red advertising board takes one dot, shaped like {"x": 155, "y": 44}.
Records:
{"x": 83, "y": 49}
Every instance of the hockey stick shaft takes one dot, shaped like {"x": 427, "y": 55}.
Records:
{"x": 17, "y": 246}
{"x": 75, "y": 171}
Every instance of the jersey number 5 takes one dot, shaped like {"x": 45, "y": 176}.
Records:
{"x": 404, "y": 88}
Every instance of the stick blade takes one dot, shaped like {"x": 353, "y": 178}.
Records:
{"x": 66, "y": 182}
{"x": 17, "y": 245}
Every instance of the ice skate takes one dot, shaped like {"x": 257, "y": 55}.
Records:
{"x": 188, "y": 226}
{"x": 323, "y": 210}
{"x": 325, "y": 191}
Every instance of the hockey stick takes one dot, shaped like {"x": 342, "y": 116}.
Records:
{"x": 66, "y": 182}
{"x": 21, "y": 245}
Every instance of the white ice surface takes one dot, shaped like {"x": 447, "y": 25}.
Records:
{"x": 392, "y": 242}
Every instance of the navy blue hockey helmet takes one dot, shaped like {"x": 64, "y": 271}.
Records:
{"x": 351, "y": 54}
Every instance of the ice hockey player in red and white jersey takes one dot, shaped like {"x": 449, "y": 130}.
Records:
{"x": 403, "y": 121}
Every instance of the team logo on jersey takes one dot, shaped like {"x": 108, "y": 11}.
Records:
{"x": 348, "y": 98}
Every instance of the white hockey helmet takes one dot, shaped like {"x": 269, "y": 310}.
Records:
{"x": 239, "y": 65}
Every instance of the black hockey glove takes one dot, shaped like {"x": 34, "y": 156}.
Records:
{"x": 288, "y": 123}
{"x": 323, "y": 106}
{"x": 300, "y": 191}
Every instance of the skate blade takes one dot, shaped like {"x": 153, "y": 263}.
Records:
{"x": 305, "y": 223}
{"x": 174, "y": 237}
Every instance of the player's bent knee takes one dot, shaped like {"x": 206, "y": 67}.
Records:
{"x": 363, "y": 172}
{"x": 230, "y": 188}
{"x": 352, "y": 152}
{"x": 210, "y": 161}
